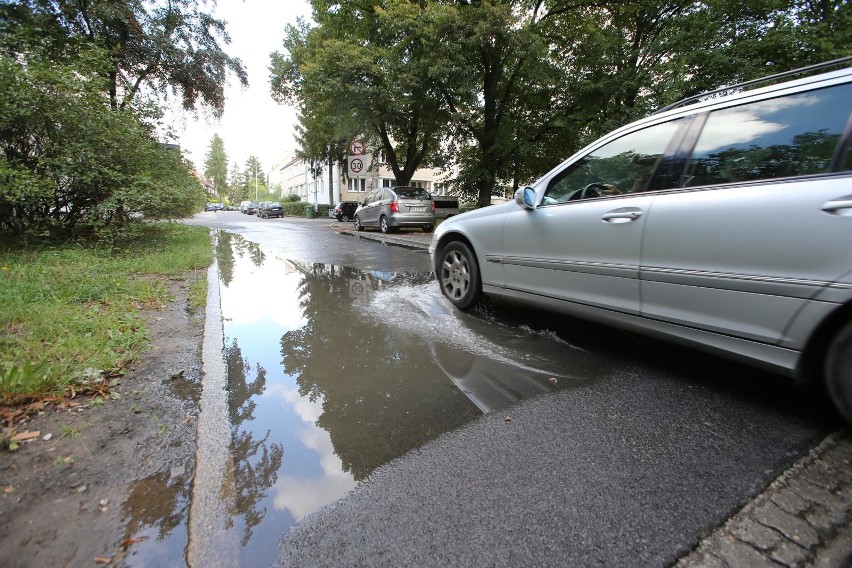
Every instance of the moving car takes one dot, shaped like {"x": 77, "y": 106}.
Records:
{"x": 723, "y": 223}
{"x": 268, "y": 209}
{"x": 390, "y": 208}
{"x": 344, "y": 211}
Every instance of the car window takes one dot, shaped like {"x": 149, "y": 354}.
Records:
{"x": 622, "y": 166}
{"x": 412, "y": 193}
{"x": 786, "y": 136}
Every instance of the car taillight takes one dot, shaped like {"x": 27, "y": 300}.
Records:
{"x": 433, "y": 207}
{"x": 394, "y": 206}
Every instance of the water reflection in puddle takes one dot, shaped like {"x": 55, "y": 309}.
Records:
{"x": 333, "y": 371}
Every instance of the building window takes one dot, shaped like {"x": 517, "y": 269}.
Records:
{"x": 386, "y": 182}
{"x": 357, "y": 185}
{"x": 439, "y": 188}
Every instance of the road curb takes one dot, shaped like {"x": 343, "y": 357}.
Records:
{"x": 801, "y": 519}
{"x": 395, "y": 240}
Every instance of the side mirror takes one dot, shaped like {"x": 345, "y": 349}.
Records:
{"x": 526, "y": 197}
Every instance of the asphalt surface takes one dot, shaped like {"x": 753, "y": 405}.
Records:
{"x": 590, "y": 476}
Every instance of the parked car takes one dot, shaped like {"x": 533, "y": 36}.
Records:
{"x": 723, "y": 223}
{"x": 214, "y": 206}
{"x": 244, "y": 206}
{"x": 252, "y": 207}
{"x": 268, "y": 209}
{"x": 390, "y": 208}
{"x": 445, "y": 206}
{"x": 344, "y": 210}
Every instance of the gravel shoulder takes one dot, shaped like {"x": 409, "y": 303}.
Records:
{"x": 101, "y": 480}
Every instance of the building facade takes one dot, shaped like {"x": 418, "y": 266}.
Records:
{"x": 295, "y": 177}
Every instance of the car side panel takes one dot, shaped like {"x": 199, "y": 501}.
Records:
{"x": 743, "y": 259}
{"x": 574, "y": 252}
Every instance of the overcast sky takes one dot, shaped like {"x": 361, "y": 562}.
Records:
{"x": 253, "y": 124}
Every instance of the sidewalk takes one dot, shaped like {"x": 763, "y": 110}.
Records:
{"x": 803, "y": 519}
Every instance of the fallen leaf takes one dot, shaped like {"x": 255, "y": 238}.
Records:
{"x": 103, "y": 560}
{"x": 508, "y": 419}
{"x": 8, "y": 490}
{"x": 24, "y": 436}
{"x": 552, "y": 380}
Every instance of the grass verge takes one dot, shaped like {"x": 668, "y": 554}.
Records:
{"x": 69, "y": 313}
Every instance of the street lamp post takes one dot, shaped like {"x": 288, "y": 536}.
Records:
{"x": 255, "y": 181}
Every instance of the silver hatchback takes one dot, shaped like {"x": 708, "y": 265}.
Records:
{"x": 725, "y": 225}
{"x": 391, "y": 208}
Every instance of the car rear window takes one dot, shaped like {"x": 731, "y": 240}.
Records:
{"x": 782, "y": 137}
{"x": 411, "y": 193}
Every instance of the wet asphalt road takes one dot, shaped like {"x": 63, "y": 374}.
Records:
{"x": 632, "y": 468}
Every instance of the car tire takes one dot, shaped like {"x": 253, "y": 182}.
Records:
{"x": 458, "y": 275}
{"x": 358, "y": 225}
{"x": 344, "y": 218}
{"x": 428, "y": 228}
{"x": 384, "y": 225}
{"x": 838, "y": 371}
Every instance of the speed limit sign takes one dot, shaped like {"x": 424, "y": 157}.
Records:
{"x": 357, "y": 290}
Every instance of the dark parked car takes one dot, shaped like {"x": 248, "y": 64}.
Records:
{"x": 390, "y": 208}
{"x": 268, "y": 209}
{"x": 214, "y": 207}
{"x": 251, "y": 209}
{"x": 345, "y": 210}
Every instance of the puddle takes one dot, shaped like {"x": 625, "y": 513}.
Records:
{"x": 333, "y": 371}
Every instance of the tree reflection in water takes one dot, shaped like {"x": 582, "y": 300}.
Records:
{"x": 381, "y": 393}
{"x": 255, "y": 462}
{"x": 227, "y": 244}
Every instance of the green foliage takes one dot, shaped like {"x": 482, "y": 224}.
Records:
{"x": 65, "y": 310}
{"x": 291, "y": 198}
{"x": 506, "y": 89}
{"x": 171, "y": 47}
{"x": 361, "y": 73}
{"x": 70, "y": 166}
{"x": 216, "y": 165}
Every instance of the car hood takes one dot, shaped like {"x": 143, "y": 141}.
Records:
{"x": 489, "y": 211}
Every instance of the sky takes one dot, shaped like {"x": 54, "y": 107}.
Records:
{"x": 252, "y": 124}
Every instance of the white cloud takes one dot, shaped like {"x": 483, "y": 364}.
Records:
{"x": 253, "y": 124}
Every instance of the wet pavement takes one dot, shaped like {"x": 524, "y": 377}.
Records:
{"x": 335, "y": 374}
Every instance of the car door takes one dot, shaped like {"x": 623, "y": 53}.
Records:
{"x": 369, "y": 213}
{"x": 761, "y": 224}
{"x": 581, "y": 245}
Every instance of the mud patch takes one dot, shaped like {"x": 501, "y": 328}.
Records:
{"x": 112, "y": 481}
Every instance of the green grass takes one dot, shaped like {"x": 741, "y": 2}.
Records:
{"x": 66, "y": 309}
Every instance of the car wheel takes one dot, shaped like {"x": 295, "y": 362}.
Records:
{"x": 384, "y": 225}
{"x": 344, "y": 218}
{"x": 838, "y": 371}
{"x": 358, "y": 225}
{"x": 458, "y": 275}
{"x": 428, "y": 228}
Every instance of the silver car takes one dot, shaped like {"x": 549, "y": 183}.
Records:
{"x": 390, "y": 208}
{"x": 725, "y": 224}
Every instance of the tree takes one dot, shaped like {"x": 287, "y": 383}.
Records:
{"x": 173, "y": 46}
{"x": 254, "y": 182}
{"x": 359, "y": 73}
{"x": 70, "y": 166}
{"x": 216, "y": 165}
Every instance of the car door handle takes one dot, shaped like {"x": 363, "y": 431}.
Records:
{"x": 836, "y": 204}
{"x": 622, "y": 215}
